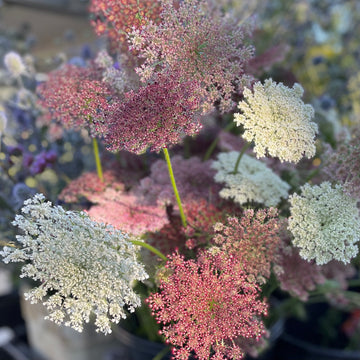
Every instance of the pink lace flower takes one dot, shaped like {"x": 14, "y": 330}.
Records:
{"x": 343, "y": 164}
{"x": 121, "y": 210}
{"x": 111, "y": 204}
{"x": 117, "y": 18}
{"x": 201, "y": 43}
{"x": 252, "y": 239}
{"x": 201, "y": 218}
{"x": 203, "y": 310}
{"x": 85, "y": 186}
{"x": 76, "y": 96}
{"x": 156, "y": 116}
{"x": 296, "y": 275}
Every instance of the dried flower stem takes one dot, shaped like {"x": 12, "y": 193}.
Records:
{"x": 97, "y": 160}
{"x": 173, "y": 183}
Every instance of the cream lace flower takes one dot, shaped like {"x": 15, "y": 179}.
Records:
{"x": 325, "y": 223}
{"x": 254, "y": 181}
{"x": 87, "y": 267}
{"x": 278, "y": 121}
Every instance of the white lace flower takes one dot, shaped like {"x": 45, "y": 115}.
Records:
{"x": 278, "y": 121}
{"x": 86, "y": 267}
{"x": 254, "y": 181}
{"x": 325, "y": 223}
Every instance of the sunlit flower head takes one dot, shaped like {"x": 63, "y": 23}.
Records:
{"x": 117, "y": 18}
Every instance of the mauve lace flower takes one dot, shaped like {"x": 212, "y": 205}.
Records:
{"x": 117, "y": 18}
{"x": 197, "y": 40}
{"x": 156, "y": 116}
{"x": 203, "y": 309}
{"x": 194, "y": 180}
{"x": 76, "y": 96}
{"x": 121, "y": 210}
{"x": 343, "y": 164}
{"x": 296, "y": 275}
{"x": 253, "y": 240}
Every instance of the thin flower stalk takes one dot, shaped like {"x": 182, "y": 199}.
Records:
{"x": 173, "y": 183}
{"x": 97, "y": 160}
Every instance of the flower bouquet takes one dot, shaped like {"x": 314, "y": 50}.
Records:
{"x": 217, "y": 192}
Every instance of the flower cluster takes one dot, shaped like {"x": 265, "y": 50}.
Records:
{"x": 253, "y": 240}
{"x": 277, "y": 120}
{"x": 325, "y": 223}
{"x": 343, "y": 164}
{"x": 156, "y": 116}
{"x": 118, "y": 18}
{"x": 296, "y": 275}
{"x": 76, "y": 96}
{"x": 254, "y": 181}
{"x": 191, "y": 175}
{"x": 200, "y": 43}
{"x": 198, "y": 311}
{"x": 84, "y": 267}
{"x": 217, "y": 229}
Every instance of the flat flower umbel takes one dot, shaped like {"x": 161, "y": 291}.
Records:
{"x": 204, "y": 309}
{"x": 88, "y": 267}
{"x": 156, "y": 116}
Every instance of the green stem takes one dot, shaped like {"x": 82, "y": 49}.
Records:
{"x": 173, "y": 183}
{"x": 149, "y": 247}
{"x": 245, "y": 147}
{"x": 212, "y": 146}
{"x": 97, "y": 160}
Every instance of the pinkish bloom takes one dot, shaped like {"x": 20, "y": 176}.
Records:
{"x": 117, "y": 18}
{"x": 111, "y": 204}
{"x": 86, "y": 185}
{"x": 203, "y": 310}
{"x": 252, "y": 239}
{"x": 340, "y": 272}
{"x": 76, "y": 96}
{"x": 121, "y": 211}
{"x": 194, "y": 179}
{"x": 296, "y": 275}
{"x": 343, "y": 164}
{"x": 156, "y": 116}
{"x": 201, "y": 218}
{"x": 197, "y": 40}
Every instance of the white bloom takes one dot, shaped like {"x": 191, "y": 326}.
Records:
{"x": 254, "y": 181}
{"x": 88, "y": 267}
{"x": 14, "y": 64}
{"x": 325, "y": 223}
{"x": 277, "y": 120}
